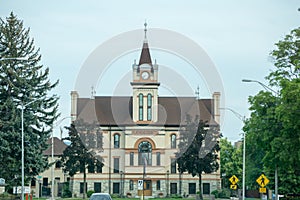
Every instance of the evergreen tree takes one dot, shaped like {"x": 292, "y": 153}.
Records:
{"x": 23, "y": 82}
{"x": 78, "y": 157}
{"x": 198, "y": 149}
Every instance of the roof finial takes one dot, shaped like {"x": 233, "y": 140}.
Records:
{"x": 145, "y": 24}
{"x": 197, "y": 92}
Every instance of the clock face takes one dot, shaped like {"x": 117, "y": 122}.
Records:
{"x": 145, "y": 75}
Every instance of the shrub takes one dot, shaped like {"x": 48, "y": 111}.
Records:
{"x": 89, "y": 193}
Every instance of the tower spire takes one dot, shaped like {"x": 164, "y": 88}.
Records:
{"x": 145, "y": 54}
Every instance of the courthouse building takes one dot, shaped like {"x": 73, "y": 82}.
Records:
{"x": 138, "y": 136}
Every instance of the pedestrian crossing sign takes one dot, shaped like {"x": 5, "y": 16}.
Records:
{"x": 262, "y": 180}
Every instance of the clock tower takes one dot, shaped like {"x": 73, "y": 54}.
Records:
{"x": 145, "y": 87}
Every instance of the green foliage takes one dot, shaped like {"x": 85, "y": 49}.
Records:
{"x": 89, "y": 193}
{"x": 273, "y": 131}
{"x": 66, "y": 193}
{"x": 231, "y": 162}
{"x": 224, "y": 193}
{"x": 77, "y": 157}
{"x": 23, "y": 82}
{"x": 198, "y": 149}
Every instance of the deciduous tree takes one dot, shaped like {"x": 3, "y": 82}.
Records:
{"x": 198, "y": 149}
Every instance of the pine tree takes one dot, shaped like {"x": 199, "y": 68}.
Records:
{"x": 23, "y": 81}
{"x": 198, "y": 149}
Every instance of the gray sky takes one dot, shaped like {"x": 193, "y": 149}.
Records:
{"x": 237, "y": 36}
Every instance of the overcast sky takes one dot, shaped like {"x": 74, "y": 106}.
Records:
{"x": 236, "y": 35}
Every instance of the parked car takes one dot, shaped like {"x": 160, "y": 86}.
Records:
{"x": 100, "y": 196}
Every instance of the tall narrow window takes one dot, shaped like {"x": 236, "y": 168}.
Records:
{"x": 97, "y": 186}
{"x": 149, "y": 107}
{"x": 116, "y": 141}
{"x": 131, "y": 158}
{"x": 116, "y": 165}
{"x": 131, "y": 185}
{"x": 173, "y": 141}
{"x": 141, "y": 103}
{"x": 158, "y": 185}
{"x": 173, "y": 166}
{"x": 145, "y": 153}
{"x": 158, "y": 158}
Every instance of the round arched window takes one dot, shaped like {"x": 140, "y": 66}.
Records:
{"x": 145, "y": 153}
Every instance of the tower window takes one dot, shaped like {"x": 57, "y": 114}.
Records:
{"x": 141, "y": 103}
{"x": 149, "y": 107}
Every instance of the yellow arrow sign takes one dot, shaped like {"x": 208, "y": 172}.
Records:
{"x": 234, "y": 179}
{"x": 233, "y": 187}
{"x": 262, "y": 180}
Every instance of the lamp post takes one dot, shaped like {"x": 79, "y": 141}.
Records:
{"x": 167, "y": 185}
{"x": 277, "y": 94}
{"x": 52, "y": 156}
{"x": 121, "y": 183}
{"x": 26, "y": 58}
{"x": 242, "y": 118}
{"x": 22, "y": 130}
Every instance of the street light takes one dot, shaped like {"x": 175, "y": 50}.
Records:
{"x": 242, "y": 118}
{"x": 167, "y": 188}
{"x": 22, "y": 129}
{"x": 277, "y": 94}
{"x": 52, "y": 156}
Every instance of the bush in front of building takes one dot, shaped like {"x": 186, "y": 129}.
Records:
{"x": 224, "y": 193}
{"x": 89, "y": 193}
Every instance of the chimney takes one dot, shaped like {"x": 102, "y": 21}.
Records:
{"x": 74, "y": 97}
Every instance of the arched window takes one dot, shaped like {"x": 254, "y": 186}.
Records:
{"x": 116, "y": 141}
{"x": 141, "y": 103}
{"x": 145, "y": 153}
{"x": 149, "y": 107}
{"x": 173, "y": 141}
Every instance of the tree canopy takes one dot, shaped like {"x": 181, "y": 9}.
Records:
{"x": 198, "y": 149}
{"x": 23, "y": 81}
{"x": 231, "y": 160}
{"x": 273, "y": 130}
{"x": 79, "y": 155}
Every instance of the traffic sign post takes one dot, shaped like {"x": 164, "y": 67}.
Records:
{"x": 233, "y": 187}
{"x": 262, "y": 180}
{"x": 234, "y": 180}
{"x": 140, "y": 184}
{"x": 263, "y": 190}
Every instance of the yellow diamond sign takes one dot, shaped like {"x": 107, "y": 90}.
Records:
{"x": 233, "y": 180}
{"x": 262, "y": 180}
